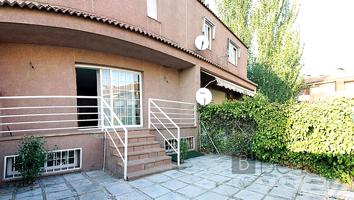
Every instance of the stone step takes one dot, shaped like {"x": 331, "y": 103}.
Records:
{"x": 146, "y": 163}
{"x": 137, "y": 146}
{"x": 145, "y": 153}
{"x": 142, "y": 173}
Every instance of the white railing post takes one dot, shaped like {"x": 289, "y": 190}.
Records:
{"x": 125, "y": 142}
{"x": 178, "y": 147}
{"x": 195, "y": 114}
{"x": 149, "y": 113}
{"x": 164, "y": 125}
{"x": 126, "y": 155}
{"x": 102, "y": 110}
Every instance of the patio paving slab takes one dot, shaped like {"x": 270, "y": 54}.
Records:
{"x": 245, "y": 194}
{"x": 135, "y": 195}
{"x": 174, "y": 184}
{"x": 206, "y": 177}
{"x": 140, "y": 183}
{"x": 191, "y": 191}
{"x": 60, "y": 195}
{"x": 206, "y": 184}
{"x": 226, "y": 190}
{"x": 172, "y": 196}
{"x": 119, "y": 188}
{"x": 211, "y": 196}
{"x": 158, "y": 178}
{"x": 98, "y": 195}
{"x": 155, "y": 191}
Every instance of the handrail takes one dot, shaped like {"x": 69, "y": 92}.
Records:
{"x": 171, "y": 101}
{"x": 32, "y": 109}
{"x": 125, "y": 143}
{"x": 50, "y": 97}
{"x": 167, "y": 123}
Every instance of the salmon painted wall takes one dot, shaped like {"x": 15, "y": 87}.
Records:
{"x": 29, "y": 70}
{"x": 181, "y": 26}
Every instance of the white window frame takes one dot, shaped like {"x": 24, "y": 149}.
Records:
{"x": 212, "y": 28}
{"x": 100, "y": 68}
{"x": 45, "y": 170}
{"x": 152, "y": 8}
{"x": 168, "y": 148}
{"x": 232, "y": 46}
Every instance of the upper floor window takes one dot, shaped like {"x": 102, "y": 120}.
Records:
{"x": 209, "y": 30}
{"x": 152, "y": 8}
{"x": 233, "y": 53}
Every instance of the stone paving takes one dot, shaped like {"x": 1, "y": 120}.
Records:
{"x": 206, "y": 177}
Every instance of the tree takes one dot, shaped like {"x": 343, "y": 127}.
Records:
{"x": 236, "y": 14}
{"x": 267, "y": 27}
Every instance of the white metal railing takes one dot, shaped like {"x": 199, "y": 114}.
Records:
{"x": 27, "y": 114}
{"x": 167, "y": 117}
{"x": 34, "y": 114}
{"x": 105, "y": 106}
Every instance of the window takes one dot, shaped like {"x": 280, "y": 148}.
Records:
{"x": 314, "y": 90}
{"x": 152, "y": 8}
{"x": 328, "y": 88}
{"x": 208, "y": 30}
{"x": 121, "y": 89}
{"x": 59, "y": 160}
{"x": 233, "y": 53}
{"x": 349, "y": 87}
{"x": 189, "y": 140}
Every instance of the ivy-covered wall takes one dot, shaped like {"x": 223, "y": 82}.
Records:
{"x": 318, "y": 136}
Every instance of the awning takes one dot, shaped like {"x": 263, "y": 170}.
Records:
{"x": 231, "y": 86}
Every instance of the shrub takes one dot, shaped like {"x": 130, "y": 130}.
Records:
{"x": 314, "y": 136}
{"x": 31, "y": 157}
{"x": 184, "y": 150}
{"x": 229, "y": 129}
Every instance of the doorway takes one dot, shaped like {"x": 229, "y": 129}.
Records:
{"x": 86, "y": 84}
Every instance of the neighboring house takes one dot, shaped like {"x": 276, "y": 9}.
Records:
{"x": 84, "y": 74}
{"x": 328, "y": 86}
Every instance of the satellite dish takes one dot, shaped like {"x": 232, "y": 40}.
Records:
{"x": 203, "y": 96}
{"x": 201, "y": 42}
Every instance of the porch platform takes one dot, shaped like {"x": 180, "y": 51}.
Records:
{"x": 206, "y": 177}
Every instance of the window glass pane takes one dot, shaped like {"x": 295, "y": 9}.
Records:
{"x": 152, "y": 8}
{"x": 232, "y": 54}
{"x": 125, "y": 96}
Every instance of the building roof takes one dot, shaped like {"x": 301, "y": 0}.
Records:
{"x": 327, "y": 78}
{"x": 113, "y": 22}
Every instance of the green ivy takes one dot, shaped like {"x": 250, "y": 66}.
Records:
{"x": 318, "y": 136}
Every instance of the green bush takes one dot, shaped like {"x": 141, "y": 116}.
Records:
{"x": 184, "y": 150}
{"x": 31, "y": 157}
{"x": 313, "y": 136}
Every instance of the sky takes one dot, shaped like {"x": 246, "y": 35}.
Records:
{"x": 327, "y": 30}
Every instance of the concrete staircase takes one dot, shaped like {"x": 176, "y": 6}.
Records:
{"x": 145, "y": 156}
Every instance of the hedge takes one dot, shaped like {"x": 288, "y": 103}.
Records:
{"x": 318, "y": 137}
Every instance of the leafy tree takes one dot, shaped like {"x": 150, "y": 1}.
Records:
{"x": 236, "y": 14}
{"x": 267, "y": 27}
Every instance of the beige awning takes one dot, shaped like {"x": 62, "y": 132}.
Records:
{"x": 231, "y": 86}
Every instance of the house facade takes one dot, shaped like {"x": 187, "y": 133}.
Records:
{"x": 110, "y": 84}
{"x": 325, "y": 87}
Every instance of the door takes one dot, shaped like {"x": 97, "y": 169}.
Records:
{"x": 121, "y": 89}
{"x": 86, "y": 84}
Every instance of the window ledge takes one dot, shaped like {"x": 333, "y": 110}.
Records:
{"x": 153, "y": 19}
